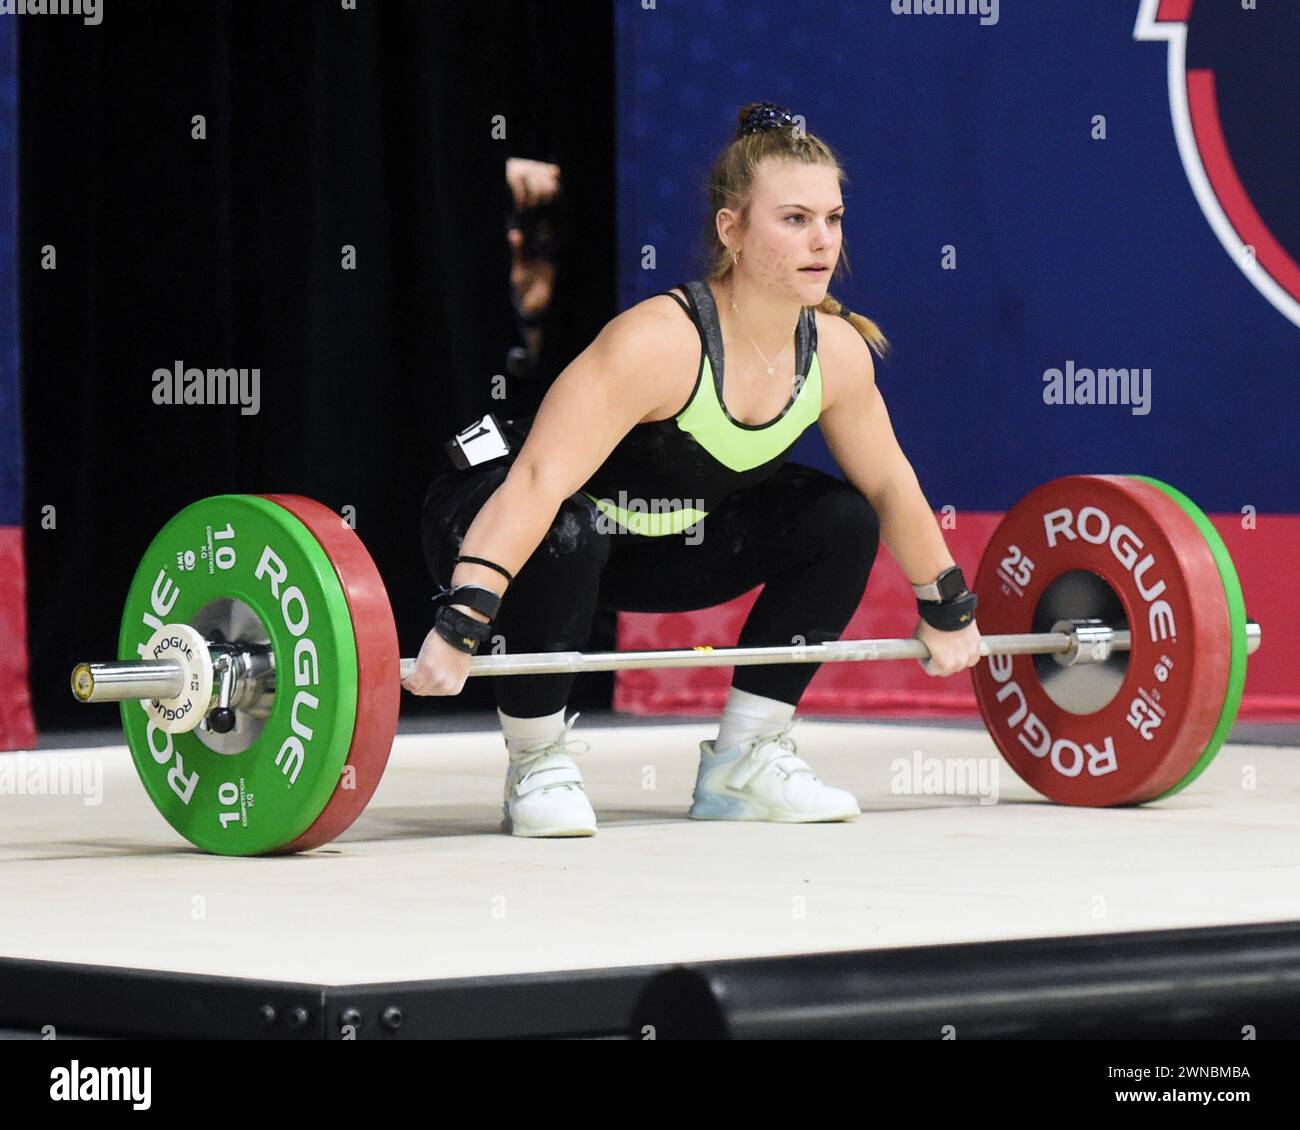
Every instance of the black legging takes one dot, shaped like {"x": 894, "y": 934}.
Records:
{"x": 810, "y": 539}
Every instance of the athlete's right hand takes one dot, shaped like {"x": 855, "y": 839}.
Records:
{"x": 439, "y": 669}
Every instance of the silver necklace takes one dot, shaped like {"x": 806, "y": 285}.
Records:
{"x": 771, "y": 365}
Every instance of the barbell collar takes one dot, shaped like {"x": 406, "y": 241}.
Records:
{"x": 1092, "y": 641}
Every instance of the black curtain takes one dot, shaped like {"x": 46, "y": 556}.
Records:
{"x": 325, "y": 128}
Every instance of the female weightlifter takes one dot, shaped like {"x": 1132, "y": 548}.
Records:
{"x": 654, "y": 479}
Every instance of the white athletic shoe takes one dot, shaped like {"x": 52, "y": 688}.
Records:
{"x": 543, "y": 795}
{"x": 762, "y": 779}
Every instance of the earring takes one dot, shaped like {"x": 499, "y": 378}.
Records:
{"x": 735, "y": 258}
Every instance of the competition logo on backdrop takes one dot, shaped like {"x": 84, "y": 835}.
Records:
{"x": 1234, "y": 86}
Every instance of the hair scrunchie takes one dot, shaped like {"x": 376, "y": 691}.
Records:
{"x": 763, "y": 117}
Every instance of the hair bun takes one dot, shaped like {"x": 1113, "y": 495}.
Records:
{"x": 758, "y": 117}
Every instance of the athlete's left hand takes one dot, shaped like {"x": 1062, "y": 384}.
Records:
{"x": 950, "y": 652}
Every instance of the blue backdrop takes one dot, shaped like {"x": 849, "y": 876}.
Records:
{"x": 979, "y": 136}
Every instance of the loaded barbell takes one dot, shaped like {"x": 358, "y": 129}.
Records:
{"x": 259, "y": 671}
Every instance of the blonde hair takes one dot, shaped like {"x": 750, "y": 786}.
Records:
{"x": 731, "y": 185}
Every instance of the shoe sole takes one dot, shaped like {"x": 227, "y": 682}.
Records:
{"x": 732, "y": 808}
{"x": 545, "y": 833}
{"x": 549, "y": 833}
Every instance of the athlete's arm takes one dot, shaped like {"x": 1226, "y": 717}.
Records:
{"x": 858, "y": 432}
{"x": 622, "y": 376}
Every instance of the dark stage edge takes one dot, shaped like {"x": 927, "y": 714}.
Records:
{"x": 1209, "y": 983}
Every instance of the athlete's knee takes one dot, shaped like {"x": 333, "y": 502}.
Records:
{"x": 847, "y": 520}
{"x": 451, "y": 504}
{"x": 576, "y": 534}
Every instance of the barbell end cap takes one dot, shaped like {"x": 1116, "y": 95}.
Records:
{"x": 1254, "y": 637}
{"x": 83, "y": 682}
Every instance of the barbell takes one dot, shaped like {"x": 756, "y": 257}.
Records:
{"x": 259, "y": 677}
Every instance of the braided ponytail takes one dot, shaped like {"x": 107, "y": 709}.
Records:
{"x": 871, "y": 333}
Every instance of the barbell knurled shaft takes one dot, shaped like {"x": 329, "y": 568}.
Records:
{"x": 834, "y": 651}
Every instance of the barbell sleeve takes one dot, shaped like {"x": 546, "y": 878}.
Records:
{"x": 117, "y": 682}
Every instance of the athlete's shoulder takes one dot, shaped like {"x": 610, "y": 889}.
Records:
{"x": 656, "y": 323}
{"x": 649, "y": 343}
{"x": 667, "y": 303}
{"x": 838, "y": 335}
{"x": 842, "y": 355}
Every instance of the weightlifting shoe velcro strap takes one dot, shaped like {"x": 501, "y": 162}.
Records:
{"x": 547, "y": 772}
{"x": 548, "y": 764}
{"x": 461, "y": 630}
{"x": 478, "y": 597}
{"x": 776, "y": 748}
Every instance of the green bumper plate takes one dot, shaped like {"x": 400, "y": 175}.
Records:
{"x": 1237, "y": 628}
{"x": 250, "y": 549}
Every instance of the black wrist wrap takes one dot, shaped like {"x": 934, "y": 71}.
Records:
{"x": 949, "y": 615}
{"x": 460, "y": 629}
